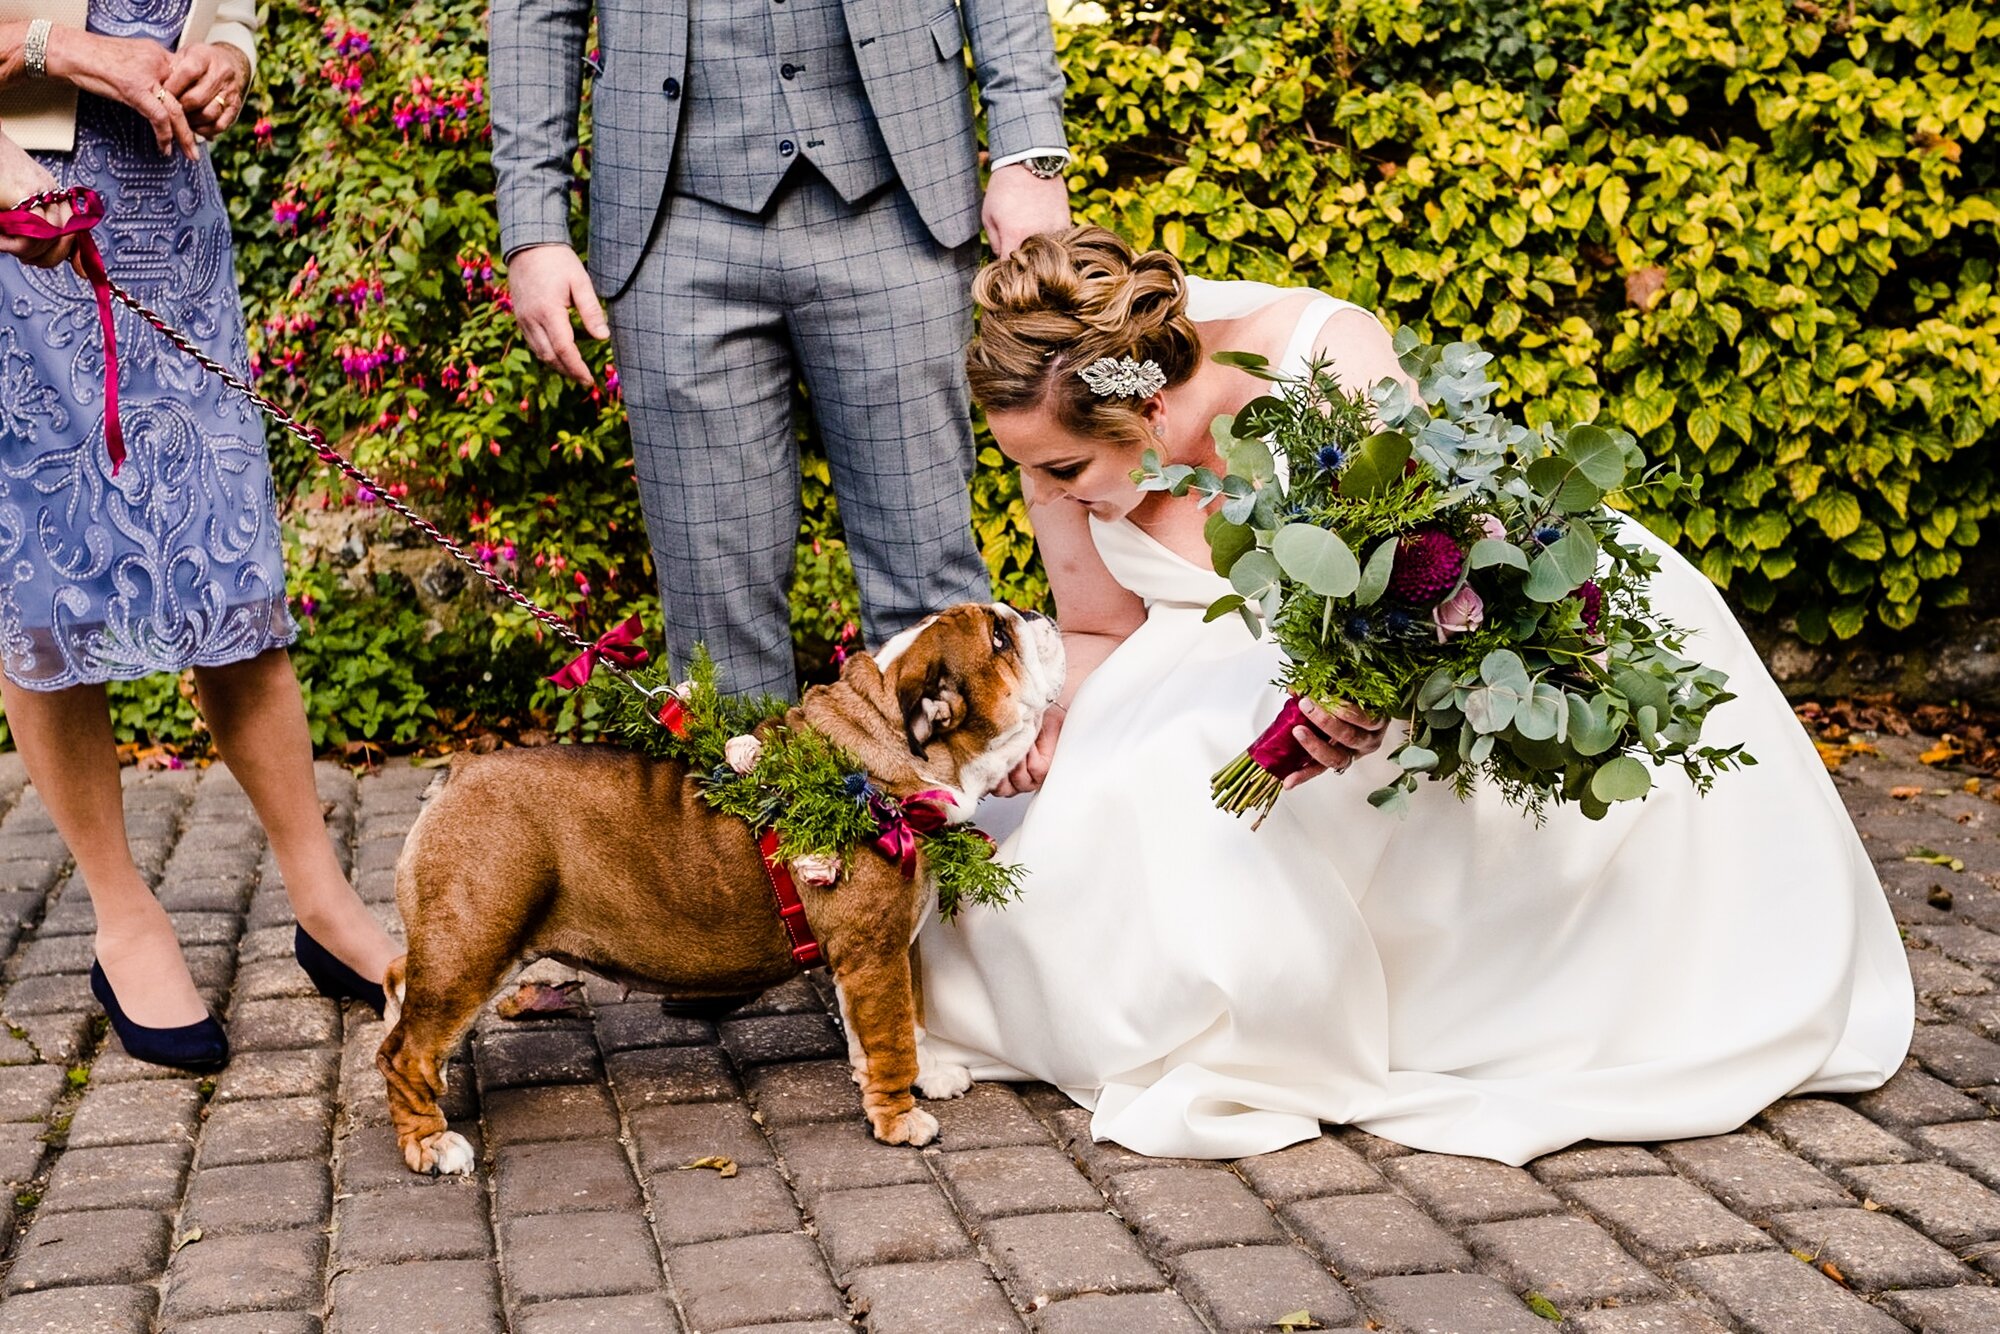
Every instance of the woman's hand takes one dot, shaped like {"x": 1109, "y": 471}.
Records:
{"x": 131, "y": 70}
{"x": 1028, "y": 774}
{"x": 21, "y": 176}
{"x": 1343, "y": 736}
{"x": 210, "y": 79}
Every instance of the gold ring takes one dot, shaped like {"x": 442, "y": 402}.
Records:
{"x": 160, "y": 91}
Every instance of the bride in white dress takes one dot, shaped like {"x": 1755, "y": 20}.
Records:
{"x": 1456, "y": 979}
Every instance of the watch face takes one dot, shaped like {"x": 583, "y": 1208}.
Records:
{"x": 1046, "y": 167}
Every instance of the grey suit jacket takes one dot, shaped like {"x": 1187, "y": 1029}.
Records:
{"x": 912, "y": 59}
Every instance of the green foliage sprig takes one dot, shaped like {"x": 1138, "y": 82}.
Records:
{"x": 818, "y": 798}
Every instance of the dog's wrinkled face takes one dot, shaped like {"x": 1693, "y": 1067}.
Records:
{"x": 973, "y": 683}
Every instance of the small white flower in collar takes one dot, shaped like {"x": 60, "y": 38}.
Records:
{"x": 741, "y": 752}
{"x": 821, "y": 870}
{"x": 1123, "y": 377}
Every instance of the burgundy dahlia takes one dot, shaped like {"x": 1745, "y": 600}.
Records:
{"x": 1428, "y": 564}
{"x": 1593, "y": 604}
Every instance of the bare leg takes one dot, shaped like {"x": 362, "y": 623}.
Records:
{"x": 65, "y": 739}
{"x": 259, "y": 724}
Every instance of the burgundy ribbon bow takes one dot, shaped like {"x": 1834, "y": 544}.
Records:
{"x": 86, "y": 211}
{"x": 899, "y": 823}
{"x": 617, "y": 646}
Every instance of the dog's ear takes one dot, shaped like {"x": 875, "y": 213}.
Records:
{"x": 932, "y": 705}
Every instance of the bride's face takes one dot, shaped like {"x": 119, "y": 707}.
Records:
{"x": 1094, "y": 472}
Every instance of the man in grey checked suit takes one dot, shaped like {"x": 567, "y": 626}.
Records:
{"x": 780, "y": 189}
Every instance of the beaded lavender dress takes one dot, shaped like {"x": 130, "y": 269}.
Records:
{"x": 178, "y": 560}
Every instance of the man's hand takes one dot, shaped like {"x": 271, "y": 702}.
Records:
{"x": 20, "y": 177}
{"x": 547, "y": 282}
{"x": 1028, "y": 774}
{"x": 209, "y": 79}
{"x": 1020, "y": 204}
{"x": 1343, "y": 736}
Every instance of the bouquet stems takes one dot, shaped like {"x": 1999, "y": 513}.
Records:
{"x": 1253, "y": 780}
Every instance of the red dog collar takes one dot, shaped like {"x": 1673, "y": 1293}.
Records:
{"x": 805, "y": 949}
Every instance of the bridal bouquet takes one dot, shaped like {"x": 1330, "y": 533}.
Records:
{"x": 1455, "y": 570}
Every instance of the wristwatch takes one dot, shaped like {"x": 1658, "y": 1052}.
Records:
{"x": 1047, "y": 167}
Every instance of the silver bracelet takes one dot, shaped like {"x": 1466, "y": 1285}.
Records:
{"x": 35, "y": 51}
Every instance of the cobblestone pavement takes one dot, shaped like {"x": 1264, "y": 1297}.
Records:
{"x": 270, "y": 1200}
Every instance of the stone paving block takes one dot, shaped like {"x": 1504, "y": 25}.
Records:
{"x": 1950, "y": 1311}
{"x": 1753, "y": 1175}
{"x": 1971, "y": 1145}
{"x": 100, "y": 1246}
{"x": 884, "y": 1225}
{"x": 1664, "y": 1218}
{"x": 1872, "y": 1250}
{"x": 794, "y": 1327}
{"x": 989, "y": 1116}
{"x": 956, "y": 1295}
{"x": 55, "y": 954}
{"x": 285, "y": 1024}
{"x": 1154, "y": 1312}
{"x": 438, "y": 1297}
{"x": 643, "y": 1024}
{"x": 1956, "y": 1055}
{"x": 1913, "y": 1098}
{"x": 21, "y": 1150}
{"x": 1946, "y": 1205}
{"x": 843, "y": 1155}
{"x": 563, "y": 1176}
{"x": 1046, "y": 1257}
{"x": 1775, "y": 1294}
{"x": 253, "y": 1322}
{"x": 1659, "y": 1318}
{"x": 550, "y": 1257}
{"x": 113, "y": 1066}
{"x": 208, "y": 894}
{"x": 649, "y": 1075}
{"x": 1103, "y": 1159}
{"x": 390, "y": 1227}
{"x": 1174, "y": 1210}
{"x": 1024, "y": 1179}
{"x": 1322, "y": 1166}
{"x": 52, "y": 994}
{"x": 1832, "y": 1134}
{"x": 1249, "y": 1288}
{"x": 530, "y": 1056}
{"x": 1969, "y": 945}
{"x": 702, "y": 1205}
{"x": 550, "y": 1111}
{"x": 672, "y": 1135}
{"x": 138, "y": 1113}
{"x": 1588, "y": 1162}
{"x": 27, "y": 1092}
{"x": 57, "y": 1037}
{"x": 97, "y": 1310}
{"x": 634, "y": 1313}
{"x": 278, "y": 1074}
{"x": 124, "y": 1176}
{"x": 1567, "y": 1259}
{"x": 1449, "y": 1304}
{"x": 266, "y": 1131}
{"x": 762, "y": 1039}
{"x": 370, "y": 1160}
{"x": 1980, "y": 1012}
{"x": 273, "y": 979}
{"x": 258, "y": 1197}
{"x": 793, "y": 996}
{"x": 1366, "y": 1236}
{"x": 790, "y": 1095}
{"x": 30, "y": 876}
{"x": 263, "y": 1271}
{"x": 753, "y": 1281}
{"x": 1460, "y": 1191}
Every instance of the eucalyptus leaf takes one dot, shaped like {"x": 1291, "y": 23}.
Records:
{"x": 1565, "y": 484}
{"x": 1503, "y": 667}
{"x": 1490, "y": 709}
{"x": 1222, "y": 606}
{"x": 1375, "y": 575}
{"x": 1495, "y": 551}
{"x": 1227, "y": 542}
{"x": 1243, "y": 361}
{"x": 1540, "y": 716}
{"x": 1316, "y": 558}
{"x": 1415, "y": 759}
{"x": 1377, "y": 464}
{"x": 1622, "y": 779}
{"x": 1596, "y": 454}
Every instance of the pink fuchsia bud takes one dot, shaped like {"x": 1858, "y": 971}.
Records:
{"x": 1458, "y": 614}
{"x": 821, "y": 870}
{"x": 741, "y": 753}
{"x": 1490, "y": 526}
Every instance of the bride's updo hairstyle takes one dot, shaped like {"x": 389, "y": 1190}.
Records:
{"x": 1062, "y": 301}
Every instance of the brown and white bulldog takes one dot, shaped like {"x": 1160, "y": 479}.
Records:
{"x": 612, "y": 861}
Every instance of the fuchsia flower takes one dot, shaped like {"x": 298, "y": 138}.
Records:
{"x": 1428, "y": 564}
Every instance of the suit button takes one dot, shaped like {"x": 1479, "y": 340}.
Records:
{"x": 788, "y": 69}
{"x": 672, "y": 88}
{"x": 786, "y": 148}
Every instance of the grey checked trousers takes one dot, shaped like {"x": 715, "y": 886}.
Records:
{"x": 725, "y": 312}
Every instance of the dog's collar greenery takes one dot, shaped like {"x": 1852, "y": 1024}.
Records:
{"x": 812, "y": 792}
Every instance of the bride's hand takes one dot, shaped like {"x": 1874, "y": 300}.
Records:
{"x": 1343, "y": 736}
{"x": 1028, "y": 774}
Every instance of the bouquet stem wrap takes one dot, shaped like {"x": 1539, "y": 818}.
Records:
{"x": 1253, "y": 780}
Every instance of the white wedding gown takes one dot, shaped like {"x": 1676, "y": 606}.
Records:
{"x": 1455, "y": 979}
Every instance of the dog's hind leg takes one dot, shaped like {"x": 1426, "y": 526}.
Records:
{"x": 438, "y": 1005}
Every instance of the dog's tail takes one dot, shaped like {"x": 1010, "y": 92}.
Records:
{"x": 392, "y": 990}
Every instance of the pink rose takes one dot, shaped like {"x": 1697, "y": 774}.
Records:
{"x": 741, "y": 752}
{"x": 1460, "y": 612}
{"x": 1490, "y": 526}
{"x": 821, "y": 870}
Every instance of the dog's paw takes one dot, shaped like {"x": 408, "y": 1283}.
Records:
{"x": 940, "y": 1079}
{"x": 915, "y": 1127}
{"x": 445, "y": 1154}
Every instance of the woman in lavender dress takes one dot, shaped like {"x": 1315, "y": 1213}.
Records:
{"x": 176, "y": 561}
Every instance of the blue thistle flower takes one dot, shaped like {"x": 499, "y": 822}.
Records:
{"x": 1358, "y": 627}
{"x": 1331, "y": 457}
{"x": 1396, "y": 621}
{"x": 857, "y": 786}
{"x": 1549, "y": 534}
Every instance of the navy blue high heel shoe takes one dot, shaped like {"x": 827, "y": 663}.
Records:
{"x": 202, "y": 1046}
{"x": 334, "y": 979}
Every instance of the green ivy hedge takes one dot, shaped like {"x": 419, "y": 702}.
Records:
{"x": 1761, "y": 236}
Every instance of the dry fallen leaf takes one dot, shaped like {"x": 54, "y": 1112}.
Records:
{"x": 534, "y": 999}
{"x": 1939, "y": 898}
{"x": 1644, "y": 286}
{"x": 1970, "y": 786}
{"x": 1927, "y": 857}
{"x": 1905, "y": 793}
{"x": 724, "y": 1167}
{"x": 1947, "y": 749}
{"x": 1832, "y": 1271}
{"x": 1871, "y": 1206}
{"x": 1297, "y": 1320}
